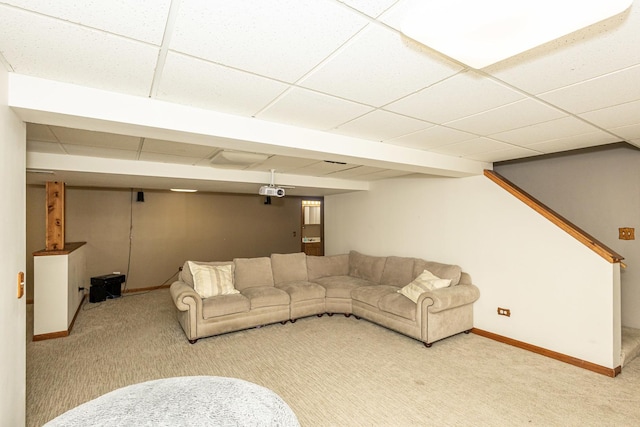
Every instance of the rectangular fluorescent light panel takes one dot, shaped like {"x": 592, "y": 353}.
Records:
{"x": 481, "y": 33}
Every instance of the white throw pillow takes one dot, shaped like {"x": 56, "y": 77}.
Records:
{"x": 212, "y": 280}
{"x": 427, "y": 281}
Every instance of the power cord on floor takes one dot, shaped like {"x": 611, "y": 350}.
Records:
{"x": 154, "y": 288}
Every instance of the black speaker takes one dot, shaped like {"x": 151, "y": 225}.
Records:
{"x": 140, "y": 197}
{"x": 97, "y": 293}
{"x": 107, "y": 286}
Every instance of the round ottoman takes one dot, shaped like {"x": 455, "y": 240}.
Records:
{"x": 182, "y": 401}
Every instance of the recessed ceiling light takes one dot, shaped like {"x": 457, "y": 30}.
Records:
{"x": 183, "y": 190}
{"x": 481, "y": 33}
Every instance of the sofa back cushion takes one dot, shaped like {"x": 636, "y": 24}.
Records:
{"x": 398, "y": 271}
{"x": 324, "y": 266}
{"x": 253, "y": 272}
{"x": 186, "y": 275}
{"x": 289, "y": 267}
{"x": 443, "y": 271}
{"x": 366, "y": 267}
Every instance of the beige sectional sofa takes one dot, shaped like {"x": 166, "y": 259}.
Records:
{"x": 286, "y": 287}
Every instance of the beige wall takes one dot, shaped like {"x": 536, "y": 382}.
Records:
{"x": 167, "y": 229}
{"x": 599, "y": 191}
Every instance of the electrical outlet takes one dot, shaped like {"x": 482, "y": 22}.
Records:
{"x": 626, "y": 233}
{"x": 504, "y": 312}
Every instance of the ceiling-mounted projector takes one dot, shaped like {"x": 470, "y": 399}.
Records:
{"x": 267, "y": 190}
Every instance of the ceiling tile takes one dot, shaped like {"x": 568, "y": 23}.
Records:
{"x": 75, "y": 54}
{"x": 599, "y": 49}
{"x": 177, "y": 148}
{"x": 44, "y": 147}
{"x": 280, "y": 39}
{"x": 511, "y": 116}
{"x": 354, "y": 172}
{"x": 187, "y": 80}
{"x": 628, "y": 132}
{"x": 605, "y": 91}
{"x": 301, "y": 107}
{"x": 40, "y": 133}
{"x": 470, "y": 147}
{"x": 95, "y": 139}
{"x": 450, "y": 99}
{"x": 504, "y": 154}
{"x": 615, "y": 116}
{"x": 380, "y": 125}
{"x": 323, "y": 168}
{"x": 110, "y": 153}
{"x": 283, "y": 163}
{"x": 546, "y": 131}
{"x": 435, "y": 136}
{"x": 382, "y": 174}
{"x": 145, "y": 21}
{"x": 377, "y": 67}
{"x": 168, "y": 158}
{"x": 372, "y": 8}
{"x": 574, "y": 142}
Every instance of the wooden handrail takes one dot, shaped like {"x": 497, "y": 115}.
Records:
{"x": 588, "y": 240}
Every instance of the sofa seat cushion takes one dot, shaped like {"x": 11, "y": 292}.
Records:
{"x": 266, "y": 296}
{"x": 398, "y": 271}
{"x": 372, "y": 294}
{"x": 341, "y": 286}
{"x": 253, "y": 272}
{"x": 399, "y": 305}
{"x": 302, "y": 291}
{"x": 289, "y": 267}
{"x": 222, "y": 305}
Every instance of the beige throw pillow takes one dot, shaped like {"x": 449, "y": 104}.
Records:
{"x": 212, "y": 280}
{"x": 427, "y": 281}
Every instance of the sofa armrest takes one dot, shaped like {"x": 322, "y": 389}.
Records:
{"x": 446, "y": 298}
{"x": 185, "y": 297}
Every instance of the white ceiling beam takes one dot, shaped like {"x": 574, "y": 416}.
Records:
{"x": 43, "y": 101}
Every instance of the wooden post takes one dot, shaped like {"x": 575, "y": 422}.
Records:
{"x": 54, "y": 240}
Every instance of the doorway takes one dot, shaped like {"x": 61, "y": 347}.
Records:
{"x": 312, "y": 223}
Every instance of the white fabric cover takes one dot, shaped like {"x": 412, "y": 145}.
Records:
{"x": 426, "y": 281}
{"x": 212, "y": 280}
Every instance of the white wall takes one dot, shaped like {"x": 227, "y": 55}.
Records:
{"x": 12, "y": 247}
{"x": 562, "y": 296}
{"x": 597, "y": 190}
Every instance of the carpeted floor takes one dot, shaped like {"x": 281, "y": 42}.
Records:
{"x": 332, "y": 371}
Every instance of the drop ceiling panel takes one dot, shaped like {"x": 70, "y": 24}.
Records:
{"x": 301, "y": 107}
{"x": 553, "y": 129}
{"x": 594, "y": 51}
{"x": 109, "y": 153}
{"x": 380, "y": 125}
{"x": 322, "y": 168}
{"x": 279, "y": 39}
{"x": 70, "y": 136}
{"x": 574, "y": 142}
{"x": 168, "y": 158}
{"x": 177, "y": 148}
{"x": 145, "y": 21}
{"x": 40, "y": 133}
{"x": 372, "y": 8}
{"x": 191, "y": 81}
{"x": 504, "y": 154}
{"x": 459, "y": 96}
{"x": 605, "y": 91}
{"x": 473, "y": 146}
{"x": 435, "y": 136}
{"x": 616, "y": 116}
{"x": 382, "y": 174}
{"x": 628, "y": 132}
{"x": 44, "y": 147}
{"x": 46, "y": 47}
{"x": 283, "y": 164}
{"x": 512, "y": 116}
{"x": 354, "y": 172}
{"x": 378, "y": 67}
